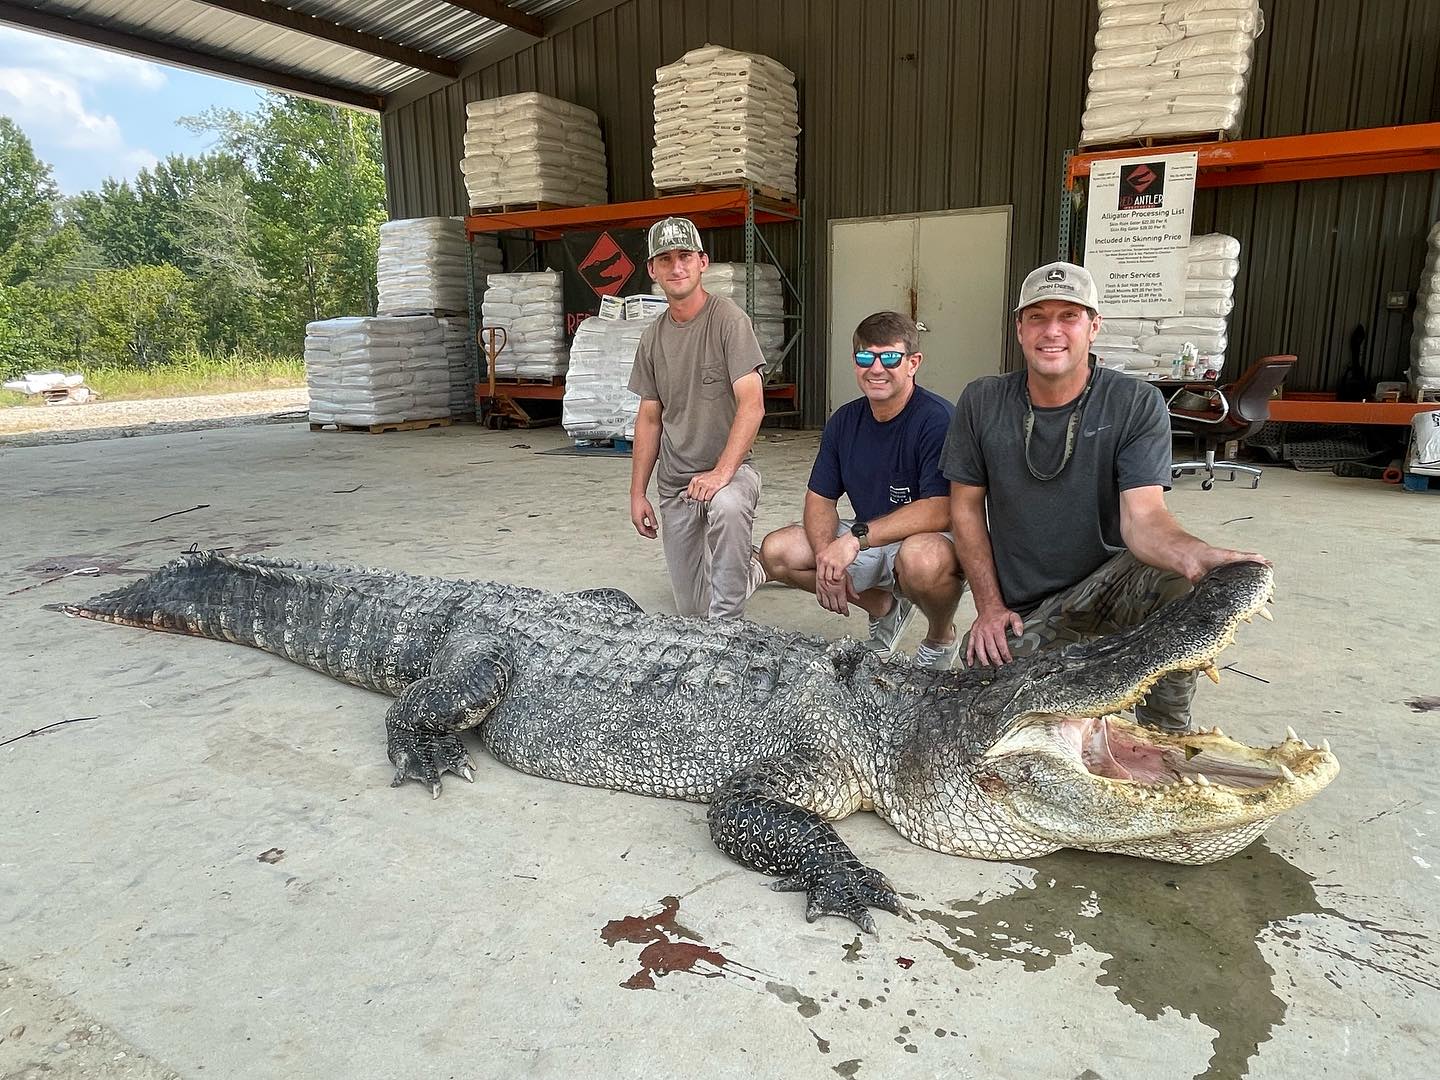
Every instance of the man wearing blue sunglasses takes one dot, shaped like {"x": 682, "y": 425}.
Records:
{"x": 883, "y": 451}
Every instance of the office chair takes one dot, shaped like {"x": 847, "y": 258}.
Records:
{"x": 1229, "y": 412}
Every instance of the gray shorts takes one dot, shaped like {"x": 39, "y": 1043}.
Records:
{"x": 874, "y": 568}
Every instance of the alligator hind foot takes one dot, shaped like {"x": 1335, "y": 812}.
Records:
{"x": 426, "y": 757}
{"x": 848, "y": 888}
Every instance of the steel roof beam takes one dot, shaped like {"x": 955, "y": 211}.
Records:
{"x": 275, "y": 15}
{"x": 120, "y": 41}
{"x": 499, "y": 12}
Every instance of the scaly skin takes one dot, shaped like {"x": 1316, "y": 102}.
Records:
{"x": 781, "y": 734}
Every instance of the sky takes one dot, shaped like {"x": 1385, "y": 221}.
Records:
{"x": 91, "y": 113}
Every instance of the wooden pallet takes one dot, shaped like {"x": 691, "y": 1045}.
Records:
{"x": 773, "y": 194}
{"x": 516, "y": 208}
{"x": 377, "y": 429}
{"x": 529, "y": 380}
{"x": 1153, "y": 142}
{"x": 439, "y": 313}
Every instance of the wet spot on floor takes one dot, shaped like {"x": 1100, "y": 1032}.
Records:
{"x": 848, "y": 1068}
{"x": 805, "y": 1006}
{"x": 1176, "y": 937}
{"x": 665, "y": 952}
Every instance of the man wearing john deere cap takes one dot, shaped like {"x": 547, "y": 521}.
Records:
{"x": 697, "y": 374}
{"x": 1057, "y": 497}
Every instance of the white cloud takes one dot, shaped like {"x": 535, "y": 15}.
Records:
{"x": 83, "y": 63}
{"x": 52, "y": 108}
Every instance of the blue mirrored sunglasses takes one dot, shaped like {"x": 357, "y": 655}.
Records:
{"x": 888, "y": 359}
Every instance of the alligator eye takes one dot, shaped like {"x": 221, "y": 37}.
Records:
{"x": 991, "y": 784}
{"x": 1190, "y": 752}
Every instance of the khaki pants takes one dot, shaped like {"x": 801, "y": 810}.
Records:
{"x": 708, "y": 546}
{"x": 1124, "y": 592}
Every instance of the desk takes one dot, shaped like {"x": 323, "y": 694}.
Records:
{"x": 1306, "y": 411}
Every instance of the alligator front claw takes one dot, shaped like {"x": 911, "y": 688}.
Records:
{"x": 848, "y": 888}
{"x": 428, "y": 757}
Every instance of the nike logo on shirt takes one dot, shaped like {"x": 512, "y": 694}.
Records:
{"x": 1096, "y": 431}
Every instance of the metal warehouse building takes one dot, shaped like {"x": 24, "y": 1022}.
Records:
{"x": 907, "y": 107}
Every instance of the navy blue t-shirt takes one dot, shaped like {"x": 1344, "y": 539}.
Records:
{"x": 882, "y": 466}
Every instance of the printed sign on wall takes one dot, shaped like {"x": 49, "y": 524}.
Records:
{"x": 1137, "y": 233}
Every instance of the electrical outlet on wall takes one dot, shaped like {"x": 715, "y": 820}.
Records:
{"x": 1397, "y": 301}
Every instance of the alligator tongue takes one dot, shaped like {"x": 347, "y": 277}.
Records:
{"x": 1098, "y": 758}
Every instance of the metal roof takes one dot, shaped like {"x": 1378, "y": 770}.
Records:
{"x": 352, "y": 51}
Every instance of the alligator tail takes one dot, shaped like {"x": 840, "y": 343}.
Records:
{"x": 335, "y": 620}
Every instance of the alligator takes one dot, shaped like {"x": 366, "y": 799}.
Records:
{"x": 780, "y": 733}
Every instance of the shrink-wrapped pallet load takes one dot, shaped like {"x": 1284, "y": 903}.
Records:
{"x": 530, "y": 148}
{"x": 530, "y": 308}
{"x": 725, "y": 117}
{"x": 728, "y": 280}
{"x": 598, "y": 403}
{"x": 1150, "y": 347}
{"x": 363, "y": 371}
{"x": 1169, "y": 69}
{"x": 461, "y": 361}
{"x": 1425, "y": 340}
{"x": 422, "y": 262}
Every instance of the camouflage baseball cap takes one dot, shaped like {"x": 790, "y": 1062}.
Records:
{"x": 673, "y": 234}
{"x": 1059, "y": 281}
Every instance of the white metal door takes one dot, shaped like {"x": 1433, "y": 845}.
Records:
{"x": 949, "y": 270}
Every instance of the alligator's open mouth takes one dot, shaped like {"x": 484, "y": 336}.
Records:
{"x": 1115, "y": 748}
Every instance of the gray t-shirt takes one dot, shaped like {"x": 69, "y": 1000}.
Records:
{"x": 1049, "y": 534}
{"x": 691, "y": 368}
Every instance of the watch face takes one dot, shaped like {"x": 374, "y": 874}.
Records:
{"x": 859, "y": 529}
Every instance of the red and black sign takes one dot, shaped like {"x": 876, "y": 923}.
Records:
{"x": 606, "y": 268}
{"x": 1142, "y": 186}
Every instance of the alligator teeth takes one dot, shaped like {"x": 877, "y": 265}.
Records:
{"x": 1217, "y": 732}
{"x": 1287, "y": 774}
{"x": 1212, "y": 674}
{"x": 1325, "y": 745}
{"x": 1201, "y": 780}
{"x": 1290, "y": 735}
{"x": 1305, "y": 745}
{"x": 1265, "y": 614}
{"x": 1187, "y": 781}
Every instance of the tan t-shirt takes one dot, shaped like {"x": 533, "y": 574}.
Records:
{"x": 691, "y": 368}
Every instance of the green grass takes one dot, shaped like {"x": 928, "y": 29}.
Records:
{"x": 194, "y": 374}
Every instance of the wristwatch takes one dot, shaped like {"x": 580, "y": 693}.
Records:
{"x": 861, "y": 531}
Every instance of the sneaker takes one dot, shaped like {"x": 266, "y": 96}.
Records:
{"x": 937, "y": 657}
{"x": 886, "y": 630}
{"x": 757, "y": 572}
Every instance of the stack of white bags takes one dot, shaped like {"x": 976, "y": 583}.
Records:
{"x": 724, "y": 117}
{"x": 1425, "y": 341}
{"x": 728, "y": 280}
{"x": 531, "y": 309}
{"x": 364, "y": 371}
{"x": 532, "y": 148}
{"x": 461, "y": 360}
{"x": 1174, "y": 68}
{"x": 1147, "y": 347}
{"x": 421, "y": 265}
{"x": 598, "y": 403}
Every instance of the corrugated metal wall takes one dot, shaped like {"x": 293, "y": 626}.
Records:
{"x": 914, "y": 105}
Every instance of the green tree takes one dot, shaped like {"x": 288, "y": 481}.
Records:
{"x": 135, "y": 316}
{"x": 140, "y": 223}
{"x": 29, "y": 233}
{"x": 317, "y": 192}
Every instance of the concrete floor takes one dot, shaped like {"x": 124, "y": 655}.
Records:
{"x": 212, "y": 877}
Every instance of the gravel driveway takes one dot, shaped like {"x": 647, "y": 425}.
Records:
{"x": 35, "y": 425}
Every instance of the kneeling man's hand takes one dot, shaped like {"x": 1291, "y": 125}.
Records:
{"x": 707, "y": 485}
{"x": 836, "y": 596}
{"x": 1209, "y": 558}
{"x": 988, "y": 639}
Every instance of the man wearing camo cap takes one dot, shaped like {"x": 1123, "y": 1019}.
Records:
{"x": 1057, "y": 497}
{"x": 698, "y": 376}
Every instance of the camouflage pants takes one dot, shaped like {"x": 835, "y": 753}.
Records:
{"x": 1122, "y": 593}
